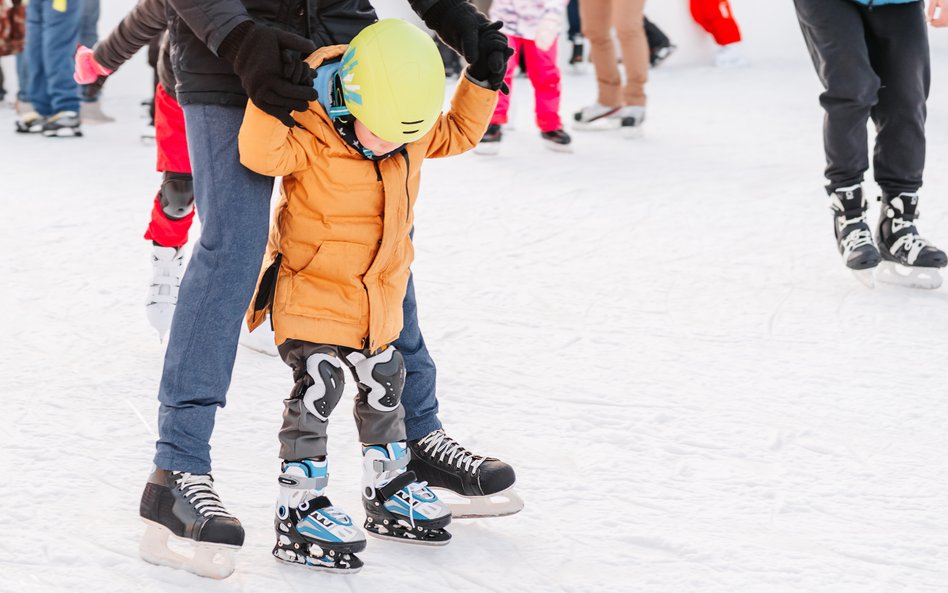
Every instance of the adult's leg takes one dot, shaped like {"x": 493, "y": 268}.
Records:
{"x": 545, "y": 76}
{"x": 215, "y": 291}
{"x": 835, "y": 36}
{"x": 898, "y": 51}
{"x": 574, "y": 21}
{"x": 503, "y": 100}
{"x": 597, "y": 28}
{"x": 628, "y": 17}
{"x": 35, "y": 34}
{"x": 22, "y": 77}
{"x": 89, "y": 28}
{"x": 418, "y": 397}
{"x": 61, "y": 33}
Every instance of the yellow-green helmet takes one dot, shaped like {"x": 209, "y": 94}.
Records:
{"x": 393, "y": 80}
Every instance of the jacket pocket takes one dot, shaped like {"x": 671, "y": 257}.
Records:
{"x": 331, "y": 286}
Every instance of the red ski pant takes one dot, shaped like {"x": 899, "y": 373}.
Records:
{"x": 716, "y": 18}
{"x": 172, "y": 144}
{"x": 544, "y": 74}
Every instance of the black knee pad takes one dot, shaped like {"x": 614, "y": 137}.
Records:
{"x": 328, "y": 380}
{"x": 390, "y": 375}
{"x": 177, "y": 195}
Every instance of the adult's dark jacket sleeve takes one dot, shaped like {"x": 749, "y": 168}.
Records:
{"x": 211, "y": 20}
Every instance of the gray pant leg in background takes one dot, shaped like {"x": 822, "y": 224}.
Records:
{"x": 844, "y": 40}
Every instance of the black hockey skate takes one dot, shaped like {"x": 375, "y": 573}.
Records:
{"x": 557, "y": 140}
{"x": 396, "y": 505}
{"x": 186, "y": 506}
{"x": 310, "y": 531}
{"x": 908, "y": 259}
{"x": 483, "y": 485}
{"x": 853, "y": 236}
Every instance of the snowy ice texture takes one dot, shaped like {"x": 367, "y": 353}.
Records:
{"x": 658, "y": 334}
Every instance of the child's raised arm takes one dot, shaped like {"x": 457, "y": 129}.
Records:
{"x": 461, "y": 128}
{"x": 270, "y": 148}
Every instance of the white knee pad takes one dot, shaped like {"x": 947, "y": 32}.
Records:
{"x": 328, "y": 376}
{"x": 384, "y": 376}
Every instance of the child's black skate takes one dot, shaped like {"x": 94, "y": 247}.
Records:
{"x": 908, "y": 259}
{"x": 397, "y": 506}
{"x": 310, "y": 531}
{"x": 186, "y": 507}
{"x": 578, "y": 51}
{"x": 64, "y": 124}
{"x": 484, "y": 486}
{"x": 657, "y": 55}
{"x": 853, "y": 236}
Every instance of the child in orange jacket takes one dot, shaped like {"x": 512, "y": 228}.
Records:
{"x": 337, "y": 270}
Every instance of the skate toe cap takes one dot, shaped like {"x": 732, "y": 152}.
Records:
{"x": 223, "y": 530}
{"x": 496, "y": 476}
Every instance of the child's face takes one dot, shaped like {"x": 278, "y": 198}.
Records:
{"x": 373, "y": 142}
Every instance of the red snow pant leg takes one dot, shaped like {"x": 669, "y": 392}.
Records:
{"x": 716, "y": 18}
{"x": 172, "y": 144}
{"x": 544, "y": 75}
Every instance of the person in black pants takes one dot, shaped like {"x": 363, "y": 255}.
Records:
{"x": 873, "y": 62}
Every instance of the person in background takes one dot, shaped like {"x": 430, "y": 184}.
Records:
{"x": 532, "y": 28}
{"x": 12, "y": 34}
{"x": 52, "y": 32}
{"x": 872, "y": 57}
{"x": 90, "y": 110}
{"x": 659, "y": 45}
{"x": 716, "y": 18}
{"x": 620, "y": 104}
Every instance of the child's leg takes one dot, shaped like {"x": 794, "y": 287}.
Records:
{"x": 596, "y": 16}
{"x": 503, "y": 101}
{"x": 310, "y": 531}
{"x": 835, "y": 35}
{"x": 396, "y": 505}
{"x": 39, "y": 96}
{"x": 320, "y": 377}
{"x": 898, "y": 51}
{"x": 173, "y": 210}
{"x": 628, "y": 17}
{"x": 716, "y": 18}
{"x": 544, "y": 74}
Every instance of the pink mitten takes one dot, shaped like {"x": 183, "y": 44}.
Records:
{"x": 87, "y": 69}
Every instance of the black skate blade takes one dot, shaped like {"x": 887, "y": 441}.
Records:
{"x": 406, "y": 534}
{"x": 347, "y": 564}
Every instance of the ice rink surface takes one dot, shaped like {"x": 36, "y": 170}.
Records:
{"x": 657, "y": 333}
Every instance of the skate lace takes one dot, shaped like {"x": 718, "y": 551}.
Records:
{"x": 857, "y": 238}
{"x": 911, "y": 242}
{"x": 199, "y": 490}
{"x": 447, "y": 449}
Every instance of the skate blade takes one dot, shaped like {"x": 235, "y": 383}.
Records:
{"x": 604, "y": 124}
{"x": 908, "y": 276}
{"x": 866, "y": 277}
{"x": 63, "y": 133}
{"x": 553, "y": 146}
{"x": 215, "y": 561}
{"x": 408, "y": 540}
{"x": 328, "y": 567}
{"x": 159, "y": 317}
{"x": 502, "y": 504}
{"x": 487, "y": 148}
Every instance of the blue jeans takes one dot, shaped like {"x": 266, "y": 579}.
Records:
{"x": 51, "y": 38}
{"x": 234, "y": 205}
{"x": 22, "y": 77}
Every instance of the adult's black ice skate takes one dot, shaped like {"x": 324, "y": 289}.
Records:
{"x": 396, "y": 505}
{"x": 853, "y": 236}
{"x": 185, "y": 507}
{"x": 907, "y": 258}
{"x": 478, "y": 486}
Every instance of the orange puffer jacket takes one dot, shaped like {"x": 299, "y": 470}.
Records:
{"x": 342, "y": 225}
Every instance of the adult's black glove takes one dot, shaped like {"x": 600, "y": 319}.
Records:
{"x": 270, "y": 65}
{"x": 491, "y": 65}
{"x": 457, "y": 23}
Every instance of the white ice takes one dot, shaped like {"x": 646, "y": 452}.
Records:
{"x": 658, "y": 334}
